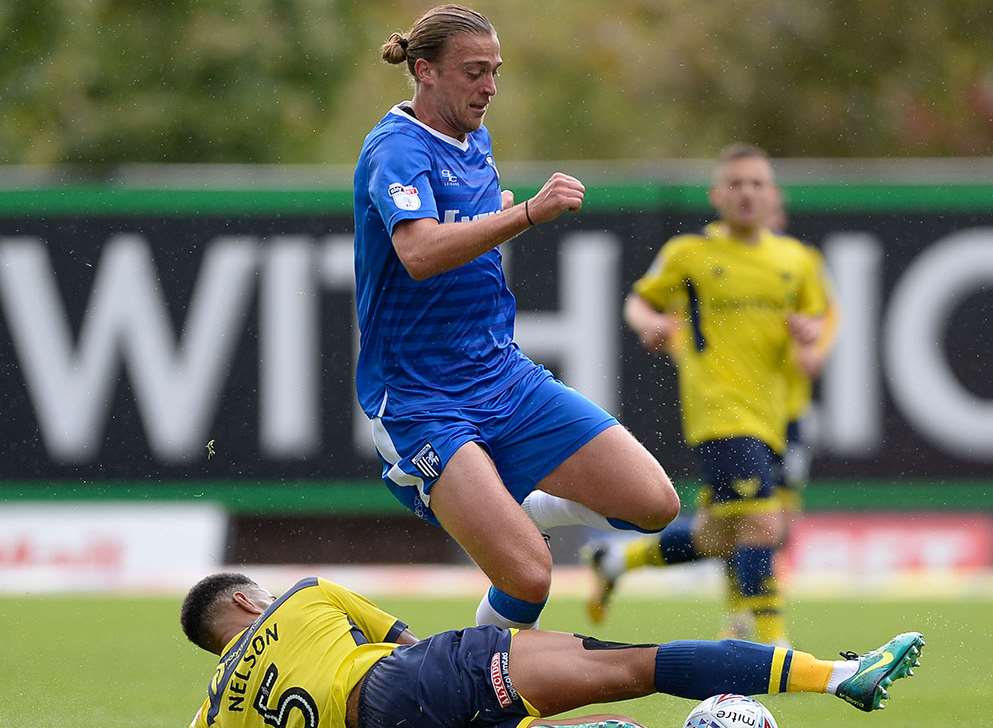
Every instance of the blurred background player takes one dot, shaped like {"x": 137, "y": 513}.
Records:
{"x": 466, "y": 426}
{"x": 730, "y": 305}
{"x": 802, "y": 367}
{"x": 322, "y": 655}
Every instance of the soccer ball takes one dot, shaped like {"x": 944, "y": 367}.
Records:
{"x": 730, "y": 711}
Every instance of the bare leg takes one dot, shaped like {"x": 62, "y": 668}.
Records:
{"x": 555, "y": 673}
{"x": 614, "y": 475}
{"x": 474, "y": 507}
{"x": 761, "y": 529}
{"x": 763, "y": 533}
{"x": 713, "y": 537}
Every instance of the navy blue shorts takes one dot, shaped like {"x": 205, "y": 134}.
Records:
{"x": 528, "y": 429}
{"x": 450, "y": 680}
{"x": 739, "y": 476}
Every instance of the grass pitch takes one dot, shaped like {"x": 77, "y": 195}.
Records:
{"x": 98, "y": 662}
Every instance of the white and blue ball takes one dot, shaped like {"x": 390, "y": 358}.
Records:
{"x": 730, "y": 711}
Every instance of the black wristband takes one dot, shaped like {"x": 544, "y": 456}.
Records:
{"x": 528, "y": 214}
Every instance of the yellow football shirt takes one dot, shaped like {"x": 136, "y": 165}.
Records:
{"x": 733, "y": 298}
{"x": 799, "y": 387}
{"x": 295, "y": 666}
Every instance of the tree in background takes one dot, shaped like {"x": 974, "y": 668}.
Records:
{"x": 110, "y": 81}
{"x": 103, "y": 82}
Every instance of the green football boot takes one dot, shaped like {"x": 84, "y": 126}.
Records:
{"x": 591, "y": 721}
{"x": 877, "y": 670}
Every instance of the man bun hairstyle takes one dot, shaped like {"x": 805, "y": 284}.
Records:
{"x": 395, "y": 49}
{"x": 200, "y": 606}
{"x": 431, "y": 32}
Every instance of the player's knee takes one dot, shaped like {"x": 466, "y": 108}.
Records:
{"x": 532, "y": 582}
{"x": 662, "y": 508}
{"x": 765, "y": 530}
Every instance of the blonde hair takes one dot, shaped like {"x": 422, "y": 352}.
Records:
{"x": 430, "y": 33}
{"x": 740, "y": 150}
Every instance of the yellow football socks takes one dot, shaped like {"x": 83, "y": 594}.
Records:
{"x": 643, "y": 552}
{"x": 807, "y": 674}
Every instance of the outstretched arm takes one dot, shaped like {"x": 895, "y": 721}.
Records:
{"x": 654, "y": 328}
{"x": 406, "y": 638}
{"x": 427, "y": 248}
{"x": 375, "y": 624}
{"x": 805, "y": 329}
{"x": 812, "y": 357}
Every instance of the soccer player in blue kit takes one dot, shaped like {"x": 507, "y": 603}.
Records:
{"x": 472, "y": 434}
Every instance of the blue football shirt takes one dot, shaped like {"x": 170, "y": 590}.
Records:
{"x": 446, "y": 340}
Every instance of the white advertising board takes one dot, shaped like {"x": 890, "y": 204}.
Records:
{"x": 107, "y": 546}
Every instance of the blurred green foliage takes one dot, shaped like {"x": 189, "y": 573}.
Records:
{"x": 103, "y": 82}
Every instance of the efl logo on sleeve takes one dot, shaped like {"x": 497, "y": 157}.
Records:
{"x": 405, "y": 197}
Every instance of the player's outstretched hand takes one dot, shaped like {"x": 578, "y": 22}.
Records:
{"x": 805, "y": 329}
{"x": 658, "y": 331}
{"x": 811, "y": 359}
{"x": 506, "y": 199}
{"x": 559, "y": 194}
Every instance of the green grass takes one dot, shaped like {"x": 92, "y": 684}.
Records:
{"x": 96, "y": 662}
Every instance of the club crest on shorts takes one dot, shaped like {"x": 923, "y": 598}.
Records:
{"x": 405, "y": 196}
{"x": 427, "y": 461}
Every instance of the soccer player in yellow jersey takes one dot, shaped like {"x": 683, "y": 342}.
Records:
{"x": 802, "y": 367}
{"x": 730, "y": 303}
{"x": 321, "y": 656}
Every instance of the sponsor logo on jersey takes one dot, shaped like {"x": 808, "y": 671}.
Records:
{"x": 427, "y": 461}
{"x": 405, "y": 197}
{"x": 500, "y": 678}
{"x": 453, "y": 216}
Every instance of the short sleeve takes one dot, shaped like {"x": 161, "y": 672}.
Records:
{"x": 376, "y": 625}
{"x": 662, "y": 280}
{"x": 399, "y": 180}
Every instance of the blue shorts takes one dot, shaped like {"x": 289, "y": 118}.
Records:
{"x": 450, "y": 680}
{"x": 739, "y": 476}
{"x": 528, "y": 430}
